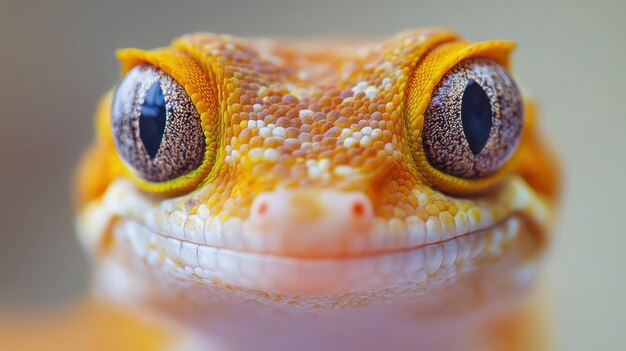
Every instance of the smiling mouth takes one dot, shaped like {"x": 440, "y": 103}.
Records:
{"x": 418, "y": 268}
{"x": 311, "y": 257}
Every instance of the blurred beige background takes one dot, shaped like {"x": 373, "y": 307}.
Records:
{"x": 56, "y": 58}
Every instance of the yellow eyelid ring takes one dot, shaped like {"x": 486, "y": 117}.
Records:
{"x": 426, "y": 76}
{"x": 197, "y": 84}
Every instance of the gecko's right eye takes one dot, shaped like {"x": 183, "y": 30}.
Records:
{"x": 474, "y": 120}
{"x": 155, "y": 125}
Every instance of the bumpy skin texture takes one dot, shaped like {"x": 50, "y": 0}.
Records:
{"x": 317, "y": 115}
{"x": 317, "y": 138}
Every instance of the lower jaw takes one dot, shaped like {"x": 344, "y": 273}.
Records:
{"x": 508, "y": 247}
{"x": 389, "y": 301}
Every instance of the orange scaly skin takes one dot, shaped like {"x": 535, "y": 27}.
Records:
{"x": 315, "y": 213}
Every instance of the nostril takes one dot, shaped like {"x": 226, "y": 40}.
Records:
{"x": 358, "y": 209}
{"x": 262, "y": 208}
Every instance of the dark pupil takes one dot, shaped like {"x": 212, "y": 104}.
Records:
{"x": 476, "y": 115}
{"x": 152, "y": 119}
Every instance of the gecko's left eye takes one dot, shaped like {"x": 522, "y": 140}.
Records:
{"x": 155, "y": 125}
{"x": 473, "y": 122}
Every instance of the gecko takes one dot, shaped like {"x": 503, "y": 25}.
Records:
{"x": 327, "y": 194}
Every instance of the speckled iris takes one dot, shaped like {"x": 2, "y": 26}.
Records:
{"x": 474, "y": 119}
{"x": 156, "y": 127}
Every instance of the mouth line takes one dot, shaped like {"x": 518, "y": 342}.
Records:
{"x": 124, "y": 204}
{"x": 422, "y": 267}
{"x": 211, "y": 252}
{"x": 354, "y": 255}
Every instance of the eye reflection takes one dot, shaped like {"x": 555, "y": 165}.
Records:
{"x": 476, "y": 115}
{"x": 152, "y": 119}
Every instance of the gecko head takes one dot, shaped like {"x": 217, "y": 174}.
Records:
{"x": 296, "y": 169}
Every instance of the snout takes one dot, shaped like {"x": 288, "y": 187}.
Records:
{"x": 309, "y": 223}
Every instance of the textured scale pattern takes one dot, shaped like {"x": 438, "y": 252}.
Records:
{"x": 313, "y": 119}
{"x": 288, "y": 115}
